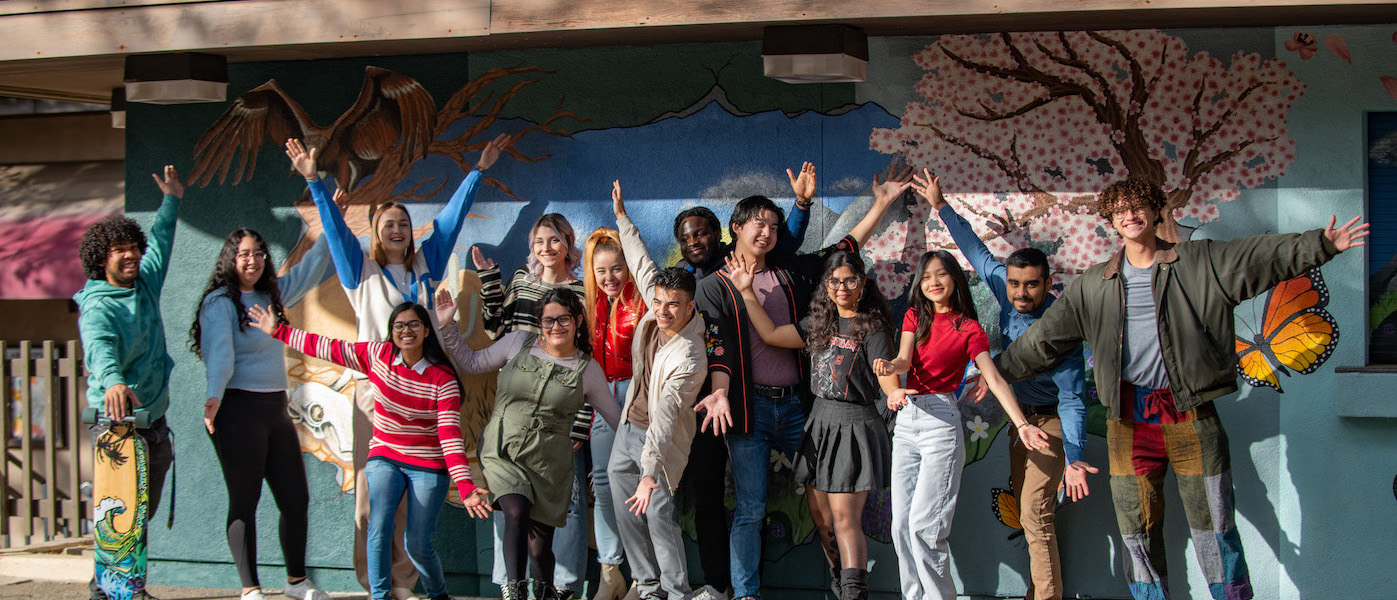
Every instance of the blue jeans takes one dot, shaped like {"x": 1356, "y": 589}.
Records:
{"x": 777, "y": 424}
{"x": 609, "y": 550}
{"x": 928, "y": 455}
{"x": 426, "y": 491}
{"x": 570, "y": 542}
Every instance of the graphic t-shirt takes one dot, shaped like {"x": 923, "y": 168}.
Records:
{"x": 938, "y": 364}
{"x": 843, "y": 370}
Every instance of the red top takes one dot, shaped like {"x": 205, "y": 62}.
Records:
{"x": 417, "y": 416}
{"x": 938, "y": 365}
{"x": 611, "y": 340}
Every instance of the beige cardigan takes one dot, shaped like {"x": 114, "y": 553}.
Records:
{"x": 681, "y": 366}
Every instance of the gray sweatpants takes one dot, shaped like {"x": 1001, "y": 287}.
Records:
{"x": 653, "y": 542}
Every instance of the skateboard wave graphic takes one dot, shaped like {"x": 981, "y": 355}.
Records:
{"x": 121, "y": 485}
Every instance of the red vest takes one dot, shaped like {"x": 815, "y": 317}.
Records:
{"x": 611, "y": 340}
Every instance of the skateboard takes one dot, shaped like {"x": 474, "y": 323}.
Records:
{"x": 121, "y": 493}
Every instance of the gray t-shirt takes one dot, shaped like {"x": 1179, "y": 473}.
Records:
{"x": 1142, "y": 363}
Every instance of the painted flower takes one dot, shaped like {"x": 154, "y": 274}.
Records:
{"x": 979, "y": 429}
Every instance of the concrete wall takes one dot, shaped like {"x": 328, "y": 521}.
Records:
{"x": 690, "y": 124}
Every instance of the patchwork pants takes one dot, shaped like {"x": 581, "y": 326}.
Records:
{"x": 1150, "y": 436}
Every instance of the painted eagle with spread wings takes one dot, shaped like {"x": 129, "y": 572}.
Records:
{"x": 394, "y": 114}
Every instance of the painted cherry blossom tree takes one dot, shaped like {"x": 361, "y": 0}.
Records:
{"x": 1024, "y": 128}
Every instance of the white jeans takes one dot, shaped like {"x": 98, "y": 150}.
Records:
{"x": 928, "y": 455}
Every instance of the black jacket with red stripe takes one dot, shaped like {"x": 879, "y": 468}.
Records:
{"x": 726, "y": 327}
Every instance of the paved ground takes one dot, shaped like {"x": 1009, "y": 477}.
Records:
{"x": 20, "y": 589}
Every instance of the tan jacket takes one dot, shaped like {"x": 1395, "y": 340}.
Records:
{"x": 680, "y": 367}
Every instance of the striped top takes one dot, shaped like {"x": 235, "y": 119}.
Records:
{"x": 515, "y": 307}
{"x": 417, "y": 416}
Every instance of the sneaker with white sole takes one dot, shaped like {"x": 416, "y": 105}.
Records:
{"x": 254, "y": 594}
{"x": 304, "y": 590}
{"x": 706, "y": 593}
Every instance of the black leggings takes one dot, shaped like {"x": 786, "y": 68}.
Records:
{"x": 519, "y": 529}
{"x": 255, "y": 440}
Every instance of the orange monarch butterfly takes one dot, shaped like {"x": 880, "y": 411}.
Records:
{"x": 1296, "y": 333}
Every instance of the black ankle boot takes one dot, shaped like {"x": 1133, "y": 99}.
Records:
{"x": 515, "y": 590}
{"x": 853, "y": 584}
{"x": 545, "y": 591}
{"x": 834, "y": 583}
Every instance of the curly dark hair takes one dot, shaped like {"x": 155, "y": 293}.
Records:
{"x": 99, "y": 239}
{"x": 1129, "y": 194}
{"x": 569, "y": 300}
{"x": 962, "y": 304}
{"x": 225, "y": 279}
{"x": 823, "y": 320}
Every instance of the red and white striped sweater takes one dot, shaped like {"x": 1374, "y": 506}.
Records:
{"x": 417, "y": 417}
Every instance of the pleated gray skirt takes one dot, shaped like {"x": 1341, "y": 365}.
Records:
{"x": 845, "y": 448}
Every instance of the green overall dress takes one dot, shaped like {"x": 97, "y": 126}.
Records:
{"x": 525, "y": 448}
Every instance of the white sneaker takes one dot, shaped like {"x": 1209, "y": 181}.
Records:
{"x": 303, "y": 590}
{"x": 254, "y": 595}
{"x": 706, "y": 593}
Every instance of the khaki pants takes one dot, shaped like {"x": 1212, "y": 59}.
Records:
{"x": 404, "y": 573}
{"x": 1035, "y": 477}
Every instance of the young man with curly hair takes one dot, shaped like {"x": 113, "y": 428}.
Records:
{"x": 1158, "y": 316}
{"x": 123, "y": 337}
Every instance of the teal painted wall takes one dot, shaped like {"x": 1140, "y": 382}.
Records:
{"x": 1314, "y": 504}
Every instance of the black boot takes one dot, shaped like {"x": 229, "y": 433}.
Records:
{"x": 853, "y": 584}
{"x": 515, "y": 590}
{"x": 834, "y": 583}
{"x": 545, "y": 591}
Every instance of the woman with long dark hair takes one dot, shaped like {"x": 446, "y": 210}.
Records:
{"x": 845, "y": 451}
{"x": 245, "y": 413}
{"x": 525, "y": 452}
{"x": 940, "y": 337}
{"x": 416, "y": 450}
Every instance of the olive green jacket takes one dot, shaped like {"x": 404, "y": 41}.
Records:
{"x": 1196, "y": 286}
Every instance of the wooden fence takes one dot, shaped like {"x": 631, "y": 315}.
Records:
{"x": 47, "y": 452}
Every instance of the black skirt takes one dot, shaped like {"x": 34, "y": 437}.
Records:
{"x": 845, "y": 448}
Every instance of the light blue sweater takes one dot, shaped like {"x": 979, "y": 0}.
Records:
{"x": 245, "y": 358}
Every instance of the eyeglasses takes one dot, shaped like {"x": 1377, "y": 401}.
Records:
{"x": 400, "y": 326}
{"x": 255, "y": 254}
{"x": 847, "y": 283}
{"x": 564, "y": 321}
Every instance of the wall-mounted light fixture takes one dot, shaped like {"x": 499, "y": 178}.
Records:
{"x": 118, "y": 111}
{"x": 815, "y": 53}
{"x": 181, "y": 78}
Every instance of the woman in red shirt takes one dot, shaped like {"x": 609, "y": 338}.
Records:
{"x": 614, "y": 306}
{"x": 940, "y": 336}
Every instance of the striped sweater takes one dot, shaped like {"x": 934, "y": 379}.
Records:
{"x": 417, "y": 416}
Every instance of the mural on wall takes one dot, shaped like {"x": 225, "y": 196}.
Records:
{"x": 1294, "y": 333}
{"x": 370, "y": 151}
{"x": 1025, "y": 127}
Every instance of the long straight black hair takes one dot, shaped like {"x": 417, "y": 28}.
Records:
{"x": 962, "y": 304}
{"x": 225, "y": 277}
{"x": 431, "y": 346}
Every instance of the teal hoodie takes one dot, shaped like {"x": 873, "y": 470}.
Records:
{"x": 123, "y": 336}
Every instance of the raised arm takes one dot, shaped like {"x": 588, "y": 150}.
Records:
{"x": 741, "y": 273}
{"x": 156, "y": 260}
{"x": 345, "y": 250}
{"x": 436, "y": 249}
{"x": 985, "y": 264}
{"x": 789, "y": 240}
{"x": 472, "y": 361}
{"x": 1249, "y": 266}
{"x": 643, "y": 268}
{"x": 884, "y": 194}
{"x": 314, "y": 269}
